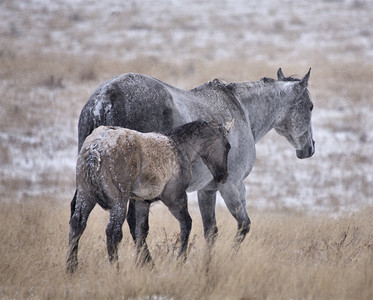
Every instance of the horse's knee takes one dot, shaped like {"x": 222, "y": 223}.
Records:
{"x": 77, "y": 224}
{"x": 114, "y": 233}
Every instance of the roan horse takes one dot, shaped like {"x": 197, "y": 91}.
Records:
{"x": 116, "y": 164}
{"x": 146, "y": 104}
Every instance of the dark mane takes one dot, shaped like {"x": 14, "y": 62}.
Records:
{"x": 226, "y": 88}
{"x": 267, "y": 80}
{"x": 291, "y": 78}
{"x": 186, "y": 131}
{"x": 270, "y": 80}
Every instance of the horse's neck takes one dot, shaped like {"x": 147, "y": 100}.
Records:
{"x": 261, "y": 103}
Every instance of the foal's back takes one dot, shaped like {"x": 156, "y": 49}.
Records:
{"x": 126, "y": 161}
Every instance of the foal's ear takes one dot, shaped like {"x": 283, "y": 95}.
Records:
{"x": 280, "y": 75}
{"x": 228, "y": 125}
{"x": 213, "y": 122}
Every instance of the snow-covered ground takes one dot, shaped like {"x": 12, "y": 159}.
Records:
{"x": 184, "y": 43}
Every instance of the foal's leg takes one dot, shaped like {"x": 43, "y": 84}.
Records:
{"x": 114, "y": 232}
{"x": 234, "y": 196}
{"x": 78, "y": 222}
{"x": 179, "y": 208}
{"x": 142, "y": 228}
{"x": 207, "y": 203}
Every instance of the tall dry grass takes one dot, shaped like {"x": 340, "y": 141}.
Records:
{"x": 287, "y": 255}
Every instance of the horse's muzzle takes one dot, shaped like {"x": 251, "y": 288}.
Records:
{"x": 306, "y": 152}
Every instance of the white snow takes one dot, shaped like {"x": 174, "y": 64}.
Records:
{"x": 339, "y": 176}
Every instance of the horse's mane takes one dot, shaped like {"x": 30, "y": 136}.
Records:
{"x": 225, "y": 87}
{"x": 270, "y": 80}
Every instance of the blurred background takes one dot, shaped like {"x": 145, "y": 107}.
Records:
{"x": 53, "y": 54}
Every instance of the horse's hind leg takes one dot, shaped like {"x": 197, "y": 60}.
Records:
{"x": 142, "y": 228}
{"x": 207, "y": 203}
{"x": 114, "y": 232}
{"x": 78, "y": 222}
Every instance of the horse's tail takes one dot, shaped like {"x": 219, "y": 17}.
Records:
{"x": 85, "y": 126}
{"x": 72, "y": 204}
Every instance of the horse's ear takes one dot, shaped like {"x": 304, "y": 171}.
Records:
{"x": 228, "y": 125}
{"x": 304, "y": 82}
{"x": 280, "y": 75}
{"x": 300, "y": 86}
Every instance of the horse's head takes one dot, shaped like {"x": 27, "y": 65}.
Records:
{"x": 295, "y": 125}
{"x": 215, "y": 150}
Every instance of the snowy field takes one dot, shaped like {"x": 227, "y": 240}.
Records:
{"x": 53, "y": 54}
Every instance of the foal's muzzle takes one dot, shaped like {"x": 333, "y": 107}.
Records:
{"x": 222, "y": 177}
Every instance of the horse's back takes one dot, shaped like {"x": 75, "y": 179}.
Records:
{"x": 131, "y": 101}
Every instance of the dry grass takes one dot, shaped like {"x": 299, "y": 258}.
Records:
{"x": 288, "y": 255}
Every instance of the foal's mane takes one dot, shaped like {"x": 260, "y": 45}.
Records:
{"x": 184, "y": 132}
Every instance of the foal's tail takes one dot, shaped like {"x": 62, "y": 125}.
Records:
{"x": 92, "y": 165}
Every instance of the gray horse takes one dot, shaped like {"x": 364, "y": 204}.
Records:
{"x": 116, "y": 164}
{"x": 147, "y": 104}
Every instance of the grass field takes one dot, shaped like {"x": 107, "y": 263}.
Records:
{"x": 288, "y": 255}
{"x": 312, "y": 233}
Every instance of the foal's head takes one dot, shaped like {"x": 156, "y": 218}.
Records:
{"x": 214, "y": 149}
{"x": 296, "y": 125}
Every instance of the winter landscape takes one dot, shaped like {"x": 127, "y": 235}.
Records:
{"x": 312, "y": 233}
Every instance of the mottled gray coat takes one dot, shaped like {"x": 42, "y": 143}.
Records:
{"x": 147, "y": 104}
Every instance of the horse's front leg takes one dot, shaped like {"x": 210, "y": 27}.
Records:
{"x": 142, "y": 228}
{"x": 234, "y": 196}
{"x": 207, "y": 203}
{"x": 179, "y": 208}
